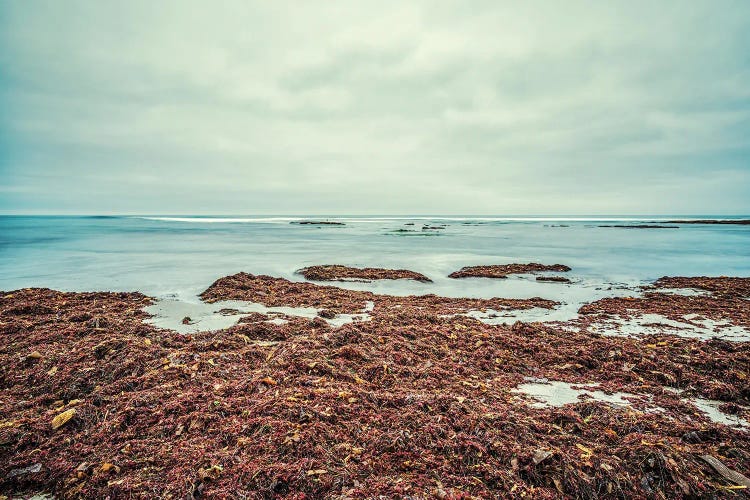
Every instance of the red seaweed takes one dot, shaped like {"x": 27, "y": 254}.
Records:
{"x": 502, "y": 271}
{"x": 417, "y": 402}
{"x": 366, "y": 274}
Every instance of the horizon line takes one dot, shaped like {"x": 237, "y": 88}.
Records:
{"x": 334, "y": 215}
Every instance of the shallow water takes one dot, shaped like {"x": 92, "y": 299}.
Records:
{"x": 204, "y": 317}
{"x": 175, "y": 258}
{"x": 556, "y": 393}
{"x": 546, "y": 393}
{"x": 650, "y": 324}
{"x": 181, "y": 256}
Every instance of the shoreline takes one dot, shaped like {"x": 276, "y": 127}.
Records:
{"x": 421, "y": 398}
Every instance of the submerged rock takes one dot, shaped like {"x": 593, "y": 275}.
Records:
{"x": 641, "y": 226}
{"x": 317, "y": 223}
{"x": 554, "y": 279}
{"x": 741, "y": 222}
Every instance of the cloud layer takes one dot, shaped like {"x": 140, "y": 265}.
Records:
{"x": 375, "y": 107}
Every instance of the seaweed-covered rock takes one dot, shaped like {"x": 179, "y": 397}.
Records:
{"x": 502, "y": 271}
{"x": 345, "y": 273}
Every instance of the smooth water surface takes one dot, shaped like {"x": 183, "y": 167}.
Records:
{"x": 181, "y": 256}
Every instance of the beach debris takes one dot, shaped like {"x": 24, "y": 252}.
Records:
{"x": 540, "y": 456}
{"x": 31, "y": 469}
{"x": 726, "y": 472}
{"x": 107, "y": 467}
{"x": 504, "y": 270}
{"x": 63, "y": 418}
{"x": 210, "y": 473}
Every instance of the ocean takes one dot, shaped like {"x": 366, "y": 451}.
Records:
{"x": 179, "y": 256}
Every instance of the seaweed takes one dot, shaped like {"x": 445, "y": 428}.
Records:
{"x": 502, "y": 271}
{"x": 366, "y": 274}
{"x": 417, "y": 402}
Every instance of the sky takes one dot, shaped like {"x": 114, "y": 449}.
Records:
{"x": 357, "y": 107}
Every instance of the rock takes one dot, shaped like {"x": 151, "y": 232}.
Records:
{"x": 553, "y": 279}
{"x": 540, "y": 456}
{"x": 502, "y": 271}
{"x": 317, "y": 223}
{"x": 345, "y": 273}
{"x": 31, "y": 469}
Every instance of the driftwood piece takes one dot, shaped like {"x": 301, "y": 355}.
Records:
{"x": 726, "y": 472}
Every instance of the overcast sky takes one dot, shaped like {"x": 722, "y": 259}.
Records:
{"x": 467, "y": 107}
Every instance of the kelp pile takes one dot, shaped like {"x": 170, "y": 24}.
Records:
{"x": 366, "y": 274}
{"x": 503, "y": 271}
{"x": 417, "y": 402}
{"x": 280, "y": 292}
{"x": 722, "y": 286}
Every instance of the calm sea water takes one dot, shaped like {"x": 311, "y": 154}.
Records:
{"x": 181, "y": 256}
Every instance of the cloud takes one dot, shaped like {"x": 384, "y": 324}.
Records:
{"x": 375, "y": 107}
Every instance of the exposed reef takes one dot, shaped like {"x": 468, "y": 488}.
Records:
{"x": 554, "y": 279}
{"x": 317, "y": 223}
{"x": 366, "y": 274}
{"x": 640, "y": 226}
{"x": 741, "y": 222}
{"x": 503, "y": 271}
